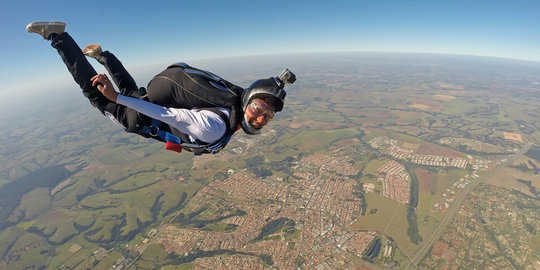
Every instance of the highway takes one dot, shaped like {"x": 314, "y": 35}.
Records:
{"x": 456, "y": 205}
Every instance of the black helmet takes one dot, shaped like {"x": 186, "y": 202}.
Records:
{"x": 271, "y": 91}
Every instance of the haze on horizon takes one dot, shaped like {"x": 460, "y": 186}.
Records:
{"x": 143, "y": 33}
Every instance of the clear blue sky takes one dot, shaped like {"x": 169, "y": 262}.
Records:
{"x": 145, "y": 32}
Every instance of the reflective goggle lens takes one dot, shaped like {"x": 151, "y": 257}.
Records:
{"x": 258, "y": 108}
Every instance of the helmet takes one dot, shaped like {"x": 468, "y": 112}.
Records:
{"x": 271, "y": 91}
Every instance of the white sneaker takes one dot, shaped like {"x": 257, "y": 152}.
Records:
{"x": 92, "y": 50}
{"x": 46, "y": 28}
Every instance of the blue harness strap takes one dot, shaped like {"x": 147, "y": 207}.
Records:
{"x": 153, "y": 130}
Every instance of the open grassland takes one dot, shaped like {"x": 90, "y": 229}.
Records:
{"x": 427, "y": 223}
{"x": 37, "y": 255}
{"x": 8, "y": 237}
{"x": 374, "y": 165}
{"x": 56, "y": 226}
{"x": 388, "y": 219}
{"x": 427, "y": 180}
{"x": 113, "y": 206}
{"x": 204, "y": 173}
{"x": 127, "y": 211}
{"x": 113, "y": 157}
{"x": 75, "y": 253}
{"x": 426, "y": 202}
{"x": 309, "y": 141}
{"x": 444, "y": 97}
{"x": 184, "y": 266}
{"x": 509, "y": 177}
{"x": 404, "y": 138}
{"x": 105, "y": 263}
{"x": 401, "y": 117}
{"x": 75, "y": 258}
{"x": 434, "y": 183}
{"x": 34, "y": 202}
{"x": 422, "y": 107}
{"x": 101, "y": 200}
{"x": 153, "y": 257}
{"x": 368, "y": 114}
{"x": 25, "y": 240}
{"x": 410, "y": 146}
{"x": 459, "y": 106}
{"x": 135, "y": 182}
{"x": 319, "y": 112}
{"x": 26, "y": 225}
{"x": 371, "y": 133}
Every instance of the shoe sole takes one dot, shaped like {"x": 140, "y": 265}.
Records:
{"x": 42, "y": 27}
{"x": 94, "y": 53}
{"x": 41, "y": 24}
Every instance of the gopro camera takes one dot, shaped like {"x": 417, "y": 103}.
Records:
{"x": 287, "y": 76}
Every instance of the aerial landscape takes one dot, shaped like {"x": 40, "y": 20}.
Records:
{"x": 364, "y": 135}
{"x": 379, "y": 161}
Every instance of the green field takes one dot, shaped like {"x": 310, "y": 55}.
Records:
{"x": 389, "y": 220}
{"x": 310, "y": 141}
{"x": 374, "y": 165}
{"x": 153, "y": 257}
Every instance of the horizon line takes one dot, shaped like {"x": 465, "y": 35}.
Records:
{"x": 375, "y": 52}
{"x": 210, "y": 59}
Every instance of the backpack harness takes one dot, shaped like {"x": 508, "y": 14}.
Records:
{"x": 174, "y": 143}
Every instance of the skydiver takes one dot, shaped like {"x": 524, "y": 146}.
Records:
{"x": 185, "y": 107}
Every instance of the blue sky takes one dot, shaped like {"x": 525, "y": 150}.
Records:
{"x": 146, "y": 32}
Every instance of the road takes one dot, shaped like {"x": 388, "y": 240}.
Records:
{"x": 456, "y": 205}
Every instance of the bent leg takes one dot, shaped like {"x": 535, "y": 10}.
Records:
{"x": 119, "y": 74}
{"x": 82, "y": 72}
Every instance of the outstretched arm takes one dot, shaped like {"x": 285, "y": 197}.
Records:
{"x": 198, "y": 124}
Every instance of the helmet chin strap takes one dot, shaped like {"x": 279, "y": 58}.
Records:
{"x": 248, "y": 128}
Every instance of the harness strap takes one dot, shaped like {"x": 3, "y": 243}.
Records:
{"x": 176, "y": 144}
{"x": 223, "y": 141}
{"x": 154, "y": 131}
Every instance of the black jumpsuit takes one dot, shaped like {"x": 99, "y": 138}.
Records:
{"x": 172, "y": 88}
{"x": 82, "y": 72}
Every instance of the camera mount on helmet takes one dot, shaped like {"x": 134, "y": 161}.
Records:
{"x": 286, "y": 76}
{"x": 271, "y": 91}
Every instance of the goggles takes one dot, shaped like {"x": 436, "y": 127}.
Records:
{"x": 258, "y": 108}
